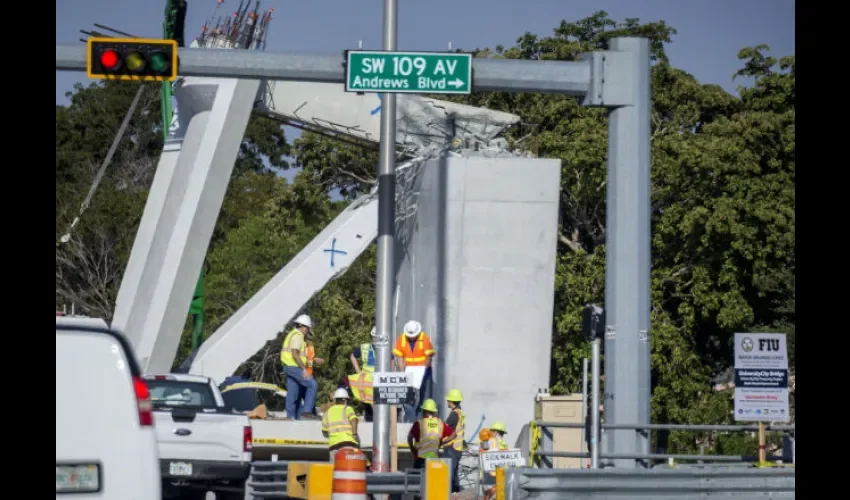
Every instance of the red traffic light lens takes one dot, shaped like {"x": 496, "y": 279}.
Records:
{"x": 109, "y": 59}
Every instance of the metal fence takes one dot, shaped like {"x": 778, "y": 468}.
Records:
{"x": 658, "y": 484}
{"x": 269, "y": 480}
{"x": 542, "y": 443}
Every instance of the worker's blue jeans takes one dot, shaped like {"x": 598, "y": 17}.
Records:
{"x": 426, "y": 390}
{"x": 294, "y": 383}
{"x": 300, "y": 403}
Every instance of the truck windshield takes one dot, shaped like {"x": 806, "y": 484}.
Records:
{"x": 176, "y": 393}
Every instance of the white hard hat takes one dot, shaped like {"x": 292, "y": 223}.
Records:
{"x": 374, "y": 331}
{"x": 304, "y": 320}
{"x": 340, "y": 394}
{"x": 412, "y": 328}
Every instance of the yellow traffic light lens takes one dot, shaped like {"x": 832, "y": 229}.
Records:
{"x": 159, "y": 62}
{"x": 135, "y": 62}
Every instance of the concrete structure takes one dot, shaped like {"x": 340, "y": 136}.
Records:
{"x": 426, "y": 127}
{"x": 617, "y": 79}
{"x": 179, "y": 217}
{"x": 477, "y": 269}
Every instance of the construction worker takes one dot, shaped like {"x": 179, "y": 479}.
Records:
{"x": 495, "y": 443}
{"x": 497, "y": 432}
{"x": 414, "y": 349}
{"x": 312, "y": 360}
{"x": 339, "y": 424}
{"x": 293, "y": 357}
{"x": 363, "y": 357}
{"x": 454, "y": 449}
{"x": 428, "y": 434}
{"x": 361, "y": 388}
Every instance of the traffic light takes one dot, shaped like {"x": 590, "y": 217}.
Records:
{"x": 139, "y": 59}
{"x": 593, "y": 321}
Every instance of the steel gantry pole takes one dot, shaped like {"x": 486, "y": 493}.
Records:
{"x": 627, "y": 369}
{"x": 385, "y": 255}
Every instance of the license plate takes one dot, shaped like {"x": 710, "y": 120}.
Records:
{"x": 83, "y": 478}
{"x": 180, "y": 469}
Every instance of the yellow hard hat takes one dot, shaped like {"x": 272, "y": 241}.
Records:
{"x": 454, "y": 396}
{"x": 498, "y": 426}
{"x": 429, "y": 405}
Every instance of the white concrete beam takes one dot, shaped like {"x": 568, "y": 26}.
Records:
{"x": 180, "y": 217}
{"x": 270, "y": 309}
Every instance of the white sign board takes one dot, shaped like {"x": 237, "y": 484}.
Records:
{"x": 501, "y": 458}
{"x": 416, "y": 374}
{"x": 761, "y": 377}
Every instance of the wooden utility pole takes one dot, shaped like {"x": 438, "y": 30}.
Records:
{"x": 762, "y": 445}
{"x": 393, "y": 439}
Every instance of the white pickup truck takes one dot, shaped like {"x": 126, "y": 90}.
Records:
{"x": 203, "y": 445}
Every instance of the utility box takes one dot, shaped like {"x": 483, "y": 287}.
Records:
{"x": 562, "y": 409}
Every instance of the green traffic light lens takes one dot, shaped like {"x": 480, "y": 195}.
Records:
{"x": 135, "y": 62}
{"x": 159, "y": 62}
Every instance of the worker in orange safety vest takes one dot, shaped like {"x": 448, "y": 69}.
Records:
{"x": 312, "y": 360}
{"x": 414, "y": 348}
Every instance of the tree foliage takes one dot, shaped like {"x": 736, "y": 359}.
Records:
{"x": 723, "y": 247}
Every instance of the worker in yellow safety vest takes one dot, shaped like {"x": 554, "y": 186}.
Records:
{"x": 496, "y": 431}
{"x": 361, "y": 388}
{"x": 428, "y": 434}
{"x": 339, "y": 424}
{"x": 363, "y": 357}
{"x": 293, "y": 357}
{"x": 453, "y": 450}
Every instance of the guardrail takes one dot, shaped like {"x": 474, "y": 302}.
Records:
{"x": 541, "y": 442}
{"x": 658, "y": 484}
{"x": 269, "y": 480}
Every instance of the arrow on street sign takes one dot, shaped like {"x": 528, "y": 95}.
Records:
{"x": 408, "y": 72}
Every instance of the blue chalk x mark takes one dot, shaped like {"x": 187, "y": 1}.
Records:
{"x": 378, "y": 109}
{"x": 332, "y": 250}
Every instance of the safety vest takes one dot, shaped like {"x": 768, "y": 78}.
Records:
{"x": 286, "y": 357}
{"x": 310, "y": 353}
{"x": 496, "y": 444}
{"x": 457, "y": 442}
{"x": 416, "y": 356}
{"x": 361, "y": 387}
{"x": 367, "y": 358}
{"x": 430, "y": 435}
{"x": 337, "y": 423}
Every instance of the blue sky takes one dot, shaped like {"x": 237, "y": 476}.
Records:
{"x": 710, "y": 31}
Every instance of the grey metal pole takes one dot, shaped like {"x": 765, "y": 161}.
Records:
{"x": 584, "y": 402}
{"x": 594, "y": 402}
{"x": 627, "y": 287}
{"x": 385, "y": 257}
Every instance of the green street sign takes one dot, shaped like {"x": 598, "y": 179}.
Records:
{"x": 408, "y": 72}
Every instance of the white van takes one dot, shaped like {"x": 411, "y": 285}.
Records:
{"x": 105, "y": 440}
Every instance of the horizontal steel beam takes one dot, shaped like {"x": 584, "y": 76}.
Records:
{"x": 656, "y": 456}
{"x": 506, "y": 75}
{"x": 641, "y": 483}
{"x": 673, "y": 427}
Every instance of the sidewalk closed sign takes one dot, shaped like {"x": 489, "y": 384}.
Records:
{"x": 501, "y": 458}
{"x": 393, "y": 388}
{"x": 761, "y": 377}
